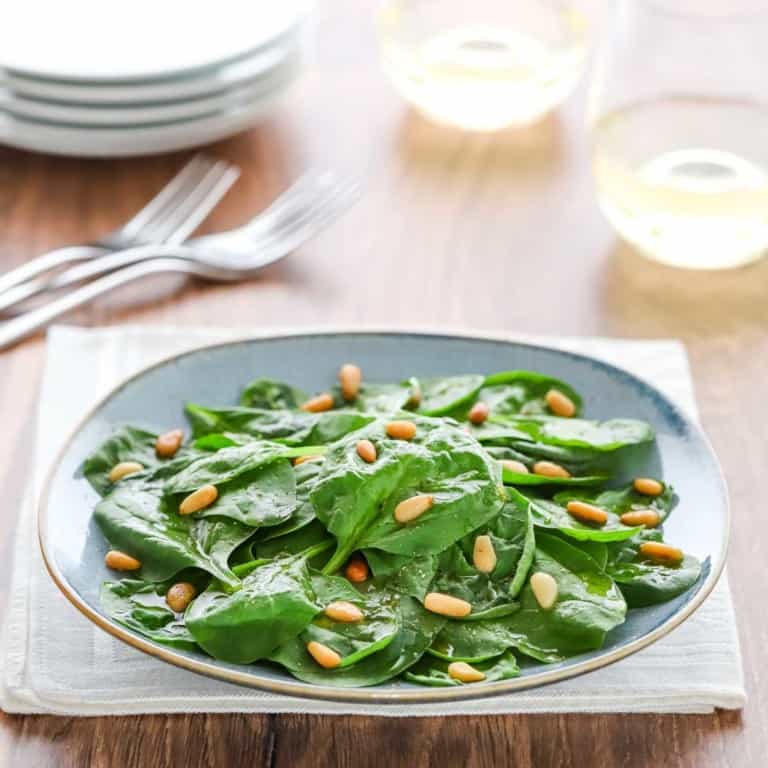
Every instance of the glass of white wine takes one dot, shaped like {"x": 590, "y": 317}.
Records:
{"x": 483, "y": 65}
{"x": 678, "y": 119}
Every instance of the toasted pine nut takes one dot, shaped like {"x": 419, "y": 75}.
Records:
{"x": 587, "y": 513}
{"x": 478, "y": 413}
{"x": 483, "y": 554}
{"x": 179, "y": 596}
{"x": 647, "y": 517}
{"x": 401, "y": 430}
{"x": 544, "y": 588}
{"x": 301, "y": 459}
{"x": 662, "y": 553}
{"x": 169, "y": 443}
{"x": 559, "y": 403}
{"x": 326, "y": 657}
{"x": 323, "y": 402}
{"x": 648, "y": 486}
{"x": 410, "y": 509}
{"x": 199, "y": 499}
{"x": 447, "y": 605}
{"x": 414, "y": 401}
{"x": 123, "y": 469}
{"x": 343, "y": 611}
{"x": 366, "y": 450}
{"x": 357, "y": 570}
{"x": 514, "y": 466}
{"x": 550, "y": 469}
{"x": 350, "y": 377}
{"x": 119, "y": 561}
{"x": 463, "y": 672}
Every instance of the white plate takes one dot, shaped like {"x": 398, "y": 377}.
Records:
{"x": 80, "y": 115}
{"x": 128, "y": 142}
{"x": 207, "y": 82}
{"x": 93, "y": 40}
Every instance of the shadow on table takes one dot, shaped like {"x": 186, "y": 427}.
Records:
{"x": 644, "y": 298}
{"x": 528, "y": 151}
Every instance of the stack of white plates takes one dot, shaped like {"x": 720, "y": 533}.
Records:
{"x": 96, "y": 78}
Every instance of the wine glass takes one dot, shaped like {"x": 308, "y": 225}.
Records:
{"x": 678, "y": 118}
{"x": 483, "y": 65}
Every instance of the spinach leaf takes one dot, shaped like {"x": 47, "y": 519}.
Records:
{"x": 550, "y": 514}
{"x": 354, "y": 641}
{"x": 644, "y": 582}
{"x": 402, "y": 573}
{"x": 434, "y": 672}
{"x": 623, "y": 500}
{"x": 292, "y": 542}
{"x": 445, "y": 394}
{"x": 139, "y": 521}
{"x": 305, "y": 475}
{"x": 523, "y": 392}
{"x": 522, "y": 478}
{"x": 580, "y": 433}
{"x": 418, "y": 628}
{"x": 286, "y": 426}
{"x": 126, "y": 444}
{"x": 140, "y": 605}
{"x": 356, "y": 500}
{"x": 273, "y": 395}
{"x": 589, "y": 605}
{"x": 263, "y": 497}
{"x": 274, "y": 603}
{"x": 378, "y": 399}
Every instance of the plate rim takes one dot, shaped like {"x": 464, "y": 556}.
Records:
{"x": 372, "y": 694}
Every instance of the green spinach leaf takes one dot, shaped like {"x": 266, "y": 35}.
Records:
{"x": 523, "y": 392}
{"x": 271, "y": 394}
{"x": 433, "y": 671}
{"x": 445, "y": 394}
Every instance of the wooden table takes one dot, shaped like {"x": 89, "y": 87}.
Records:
{"x": 455, "y": 230}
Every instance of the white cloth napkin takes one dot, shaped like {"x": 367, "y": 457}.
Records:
{"x": 55, "y": 661}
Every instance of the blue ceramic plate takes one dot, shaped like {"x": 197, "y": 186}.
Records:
{"x": 74, "y": 549}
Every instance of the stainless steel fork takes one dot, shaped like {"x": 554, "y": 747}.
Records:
{"x": 170, "y": 217}
{"x": 226, "y": 257}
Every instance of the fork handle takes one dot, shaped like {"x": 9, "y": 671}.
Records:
{"x": 47, "y": 261}
{"x": 24, "y": 325}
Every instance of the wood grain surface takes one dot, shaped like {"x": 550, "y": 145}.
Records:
{"x": 480, "y": 232}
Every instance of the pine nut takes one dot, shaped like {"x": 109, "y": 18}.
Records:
{"x": 119, "y": 561}
{"x": 661, "y": 553}
{"x": 301, "y": 459}
{"x": 350, "y": 377}
{"x": 343, "y": 611}
{"x": 447, "y": 605}
{"x": 414, "y": 401}
{"x": 464, "y": 673}
{"x": 550, "y": 469}
{"x": 478, "y": 413}
{"x": 647, "y": 517}
{"x": 199, "y": 499}
{"x": 169, "y": 443}
{"x": 401, "y": 430}
{"x": 514, "y": 466}
{"x": 483, "y": 554}
{"x": 560, "y": 404}
{"x": 323, "y": 402}
{"x": 587, "y": 513}
{"x": 366, "y": 450}
{"x": 648, "y": 486}
{"x": 412, "y": 508}
{"x": 179, "y": 596}
{"x": 326, "y": 657}
{"x": 544, "y": 588}
{"x": 123, "y": 469}
{"x": 357, "y": 570}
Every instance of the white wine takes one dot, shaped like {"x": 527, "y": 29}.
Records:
{"x": 485, "y": 77}
{"x": 686, "y": 180}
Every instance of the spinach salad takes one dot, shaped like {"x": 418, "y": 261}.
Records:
{"x": 441, "y": 530}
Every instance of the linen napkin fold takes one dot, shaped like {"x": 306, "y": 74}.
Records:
{"x": 55, "y": 661}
